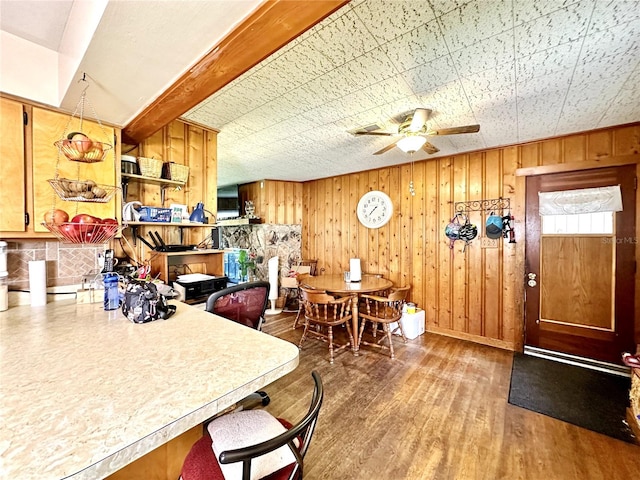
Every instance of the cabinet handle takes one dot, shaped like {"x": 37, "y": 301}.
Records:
{"x": 26, "y": 219}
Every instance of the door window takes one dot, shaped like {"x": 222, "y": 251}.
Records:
{"x": 583, "y": 223}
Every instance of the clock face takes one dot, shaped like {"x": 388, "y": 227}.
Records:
{"x": 374, "y": 209}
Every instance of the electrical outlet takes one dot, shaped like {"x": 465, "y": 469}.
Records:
{"x": 486, "y": 242}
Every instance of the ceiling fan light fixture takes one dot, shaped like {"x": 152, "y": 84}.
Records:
{"x": 411, "y": 144}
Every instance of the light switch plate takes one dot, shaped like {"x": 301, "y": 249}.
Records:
{"x": 487, "y": 242}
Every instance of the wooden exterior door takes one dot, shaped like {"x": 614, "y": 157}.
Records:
{"x": 581, "y": 299}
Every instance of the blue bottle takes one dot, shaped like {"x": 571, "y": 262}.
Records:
{"x": 111, "y": 295}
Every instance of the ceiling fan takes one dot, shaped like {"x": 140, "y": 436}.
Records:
{"x": 414, "y": 130}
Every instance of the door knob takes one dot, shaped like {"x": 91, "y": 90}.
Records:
{"x": 532, "y": 279}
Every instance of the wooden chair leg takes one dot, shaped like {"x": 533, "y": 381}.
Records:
{"x": 330, "y": 338}
{"x": 387, "y": 331}
{"x": 295, "y": 322}
{"x": 304, "y": 334}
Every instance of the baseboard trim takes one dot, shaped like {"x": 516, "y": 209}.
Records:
{"x": 606, "y": 367}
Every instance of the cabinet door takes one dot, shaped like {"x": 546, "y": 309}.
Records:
{"x": 12, "y": 178}
{"x": 48, "y": 127}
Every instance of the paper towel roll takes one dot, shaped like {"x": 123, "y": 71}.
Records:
{"x": 356, "y": 272}
{"x": 38, "y": 282}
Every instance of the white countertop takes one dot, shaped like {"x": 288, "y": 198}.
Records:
{"x": 84, "y": 392}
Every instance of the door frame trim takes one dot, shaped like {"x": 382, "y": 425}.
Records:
{"x": 519, "y": 209}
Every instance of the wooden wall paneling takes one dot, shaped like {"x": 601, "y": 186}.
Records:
{"x": 306, "y": 240}
{"x": 271, "y": 196}
{"x": 195, "y": 191}
{"x": 574, "y": 148}
{"x": 529, "y": 155}
{"x": 299, "y": 205}
{"x": 396, "y": 237}
{"x": 433, "y": 234}
{"x": 338, "y": 254}
{"x": 369, "y": 256}
{"x": 404, "y": 238}
{"x": 552, "y": 152}
{"x": 414, "y": 259}
{"x": 445, "y": 256}
{"x": 324, "y": 215}
{"x": 280, "y": 209}
{"x": 493, "y": 257}
{"x": 347, "y": 212}
{"x": 599, "y": 144}
{"x": 460, "y": 268}
{"x": 475, "y": 254}
{"x": 386, "y": 258}
{"x": 362, "y": 245}
{"x": 512, "y": 273}
{"x": 626, "y": 140}
{"x": 352, "y": 200}
{"x": 211, "y": 177}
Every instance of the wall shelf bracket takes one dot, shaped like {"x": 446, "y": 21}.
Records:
{"x": 485, "y": 205}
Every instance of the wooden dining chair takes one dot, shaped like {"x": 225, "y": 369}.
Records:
{"x": 384, "y": 311}
{"x": 326, "y": 312}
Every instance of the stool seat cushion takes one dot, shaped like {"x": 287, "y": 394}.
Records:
{"x": 245, "y": 428}
{"x": 202, "y": 463}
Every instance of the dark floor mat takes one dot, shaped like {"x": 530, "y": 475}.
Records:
{"x": 587, "y": 398}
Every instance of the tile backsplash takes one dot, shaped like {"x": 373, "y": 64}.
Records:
{"x": 66, "y": 263}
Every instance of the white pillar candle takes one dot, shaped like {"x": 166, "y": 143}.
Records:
{"x": 356, "y": 272}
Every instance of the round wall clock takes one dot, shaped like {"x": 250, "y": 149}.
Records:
{"x": 374, "y": 209}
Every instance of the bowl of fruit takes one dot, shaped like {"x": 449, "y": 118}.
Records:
{"x": 78, "y": 147}
{"x": 82, "y": 228}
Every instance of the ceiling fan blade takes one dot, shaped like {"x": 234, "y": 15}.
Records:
{"x": 455, "y": 130}
{"x": 385, "y": 149}
{"x": 430, "y": 148}
{"x": 386, "y": 134}
{"x": 420, "y": 116}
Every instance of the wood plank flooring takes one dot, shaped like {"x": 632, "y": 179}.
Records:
{"x": 438, "y": 411}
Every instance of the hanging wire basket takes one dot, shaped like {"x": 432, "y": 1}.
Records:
{"x": 87, "y": 151}
{"x": 77, "y": 146}
{"x": 82, "y": 191}
{"x": 73, "y": 232}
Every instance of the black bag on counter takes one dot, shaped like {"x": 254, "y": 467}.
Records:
{"x": 143, "y": 303}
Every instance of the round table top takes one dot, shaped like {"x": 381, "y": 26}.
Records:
{"x": 336, "y": 283}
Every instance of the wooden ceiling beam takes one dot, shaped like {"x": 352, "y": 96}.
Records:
{"x": 274, "y": 24}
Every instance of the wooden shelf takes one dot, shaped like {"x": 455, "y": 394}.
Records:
{"x": 158, "y": 181}
{"x": 167, "y": 224}
{"x": 163, "y": 182}
{"x": 232, "y": 222}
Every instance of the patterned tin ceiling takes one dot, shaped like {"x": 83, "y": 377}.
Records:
{"x": 522, "y": 69}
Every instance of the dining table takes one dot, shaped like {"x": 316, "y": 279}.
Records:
{"x": 335, "y": 283}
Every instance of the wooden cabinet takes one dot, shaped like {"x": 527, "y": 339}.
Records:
{"x": 30, "y": 159}
{"x": 12, "y": 179}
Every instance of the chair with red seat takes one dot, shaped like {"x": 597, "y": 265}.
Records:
{"x": 252, "y": 444}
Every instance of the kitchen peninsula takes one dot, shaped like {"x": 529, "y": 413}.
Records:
{"x": 85, "y": 392}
